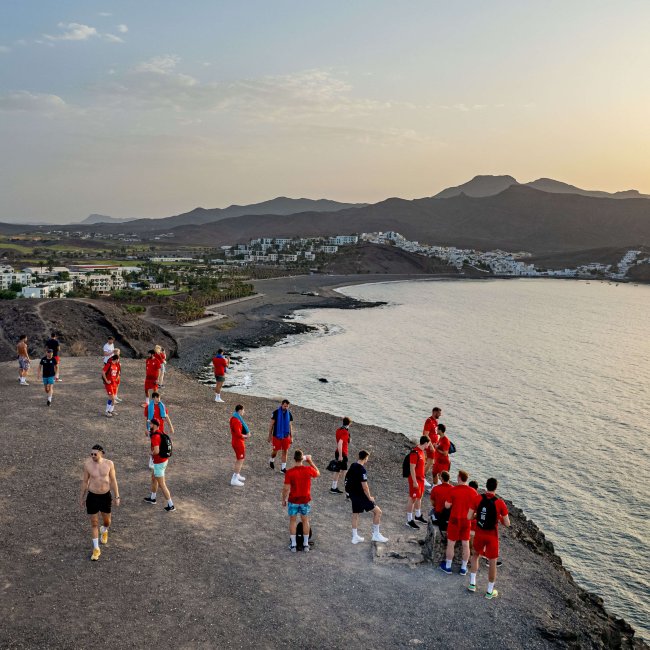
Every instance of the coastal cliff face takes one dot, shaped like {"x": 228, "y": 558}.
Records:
{"x": 217, "y": 572}
{"x": 83, "y": 325}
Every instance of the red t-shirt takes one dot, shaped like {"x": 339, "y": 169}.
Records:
{"x": 430, "y": 427}
{"x": 155, "y": 442}
{"x": 443, "y": 445}
{"x": 299, "y": 478}
{"x": 502, "y": 511}
{"x": 418, "y": 461}
{"x": 462, "y": 498}
{"x": 220, "y": 364}
{"x": 156, "y": 415}
{"x": 343, "y": 434}
{"x": 440, "y": 495}
{"x": 112, "y": 371}
{"x": 161, "y": 356}
{"x": 153, "y": 368}
{"x": 236, "y": 429}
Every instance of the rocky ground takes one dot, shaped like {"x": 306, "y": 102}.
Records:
{"x": 217, "y": 572}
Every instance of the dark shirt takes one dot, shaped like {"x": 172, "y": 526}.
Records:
{"x": 54, "y": 345}
{"x": 354, "y": 480}
{"x": 49, "y": 366}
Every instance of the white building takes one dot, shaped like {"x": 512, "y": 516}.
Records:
{"x": 11, "y": 277}
{"x": 343, "y": 240}
{"x": 47, "y": 290}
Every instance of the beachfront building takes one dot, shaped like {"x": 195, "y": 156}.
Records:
{"x": 47, "y": 290}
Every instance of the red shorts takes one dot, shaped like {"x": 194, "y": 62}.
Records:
{"x": 441, "y": 466}
{"x": 240, "y": 449}
{"x": 430, "y": 453}
{"x": 149, "y": 385}
{"x": 58, "y": 360}
{"x": 486, "y": 544}
{"x": 110, "y": 388}
{"x": 458, "y": 530}
{"x": 281, "y": 444}
{"x": 416, "y": 491}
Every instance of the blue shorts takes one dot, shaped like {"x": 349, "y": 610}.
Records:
{"x": 159, "y": 469}
{"x": 299, "y": 509}
{"x": 48, "y": 380}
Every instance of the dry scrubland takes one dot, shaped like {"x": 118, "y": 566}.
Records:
{"x": 217, "y": 573}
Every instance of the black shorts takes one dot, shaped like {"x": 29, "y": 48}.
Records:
{"x": 361, "y": 504}
{"x": 98, "y": 503}
{"x": 343, "y": 464}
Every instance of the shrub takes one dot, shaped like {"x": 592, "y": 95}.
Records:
{"x": 134, "y": 309}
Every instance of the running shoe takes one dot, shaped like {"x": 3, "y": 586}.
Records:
{"x": 293, "y": 549}
{"x": 149, "y": 500}
{"x": 49, "y": 403}
{"x": 462, "y": 571}
{"x": 443, "y": 567}
{"x": 487, "y": 562}
{"x": 412, "y": 524}
{"x": 336, "y": 491}
{"x": 58, "y": 379}
{"x": 421, "y": 519}
{"x": 306, "y": 548}
{"x": 236, "y": 482}
{"x": 471, "y": 587}
{"x": 491, "y": 594}
{"x": 24, "y": 383}
{"x": 170, "y": 508}
{"x": 378, "y": 537}
{"x": 271, "y": 464}
{"x": 108, "y": 414}
{"x": 96, "y": 554}
{"x": 284, "y": 470}
{"x": 357, "y": 539}
{"x": 103, "y": 537}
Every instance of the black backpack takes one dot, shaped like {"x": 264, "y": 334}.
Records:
{"x": 165, "y": 447}
{"x": 406, "y": 465}
{"x": 486, "y": 514}
{"x": 300, "y": 536}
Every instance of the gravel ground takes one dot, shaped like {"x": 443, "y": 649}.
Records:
{"x": 217, "y": 572}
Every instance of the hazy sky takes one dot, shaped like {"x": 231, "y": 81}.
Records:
{"x": 153, "y": 107}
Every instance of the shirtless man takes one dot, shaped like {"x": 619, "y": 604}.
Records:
{"x": 98, "y": 480}
{"x": 23, "y": 360}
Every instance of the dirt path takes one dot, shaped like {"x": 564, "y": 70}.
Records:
{"x": 217, "y": 573}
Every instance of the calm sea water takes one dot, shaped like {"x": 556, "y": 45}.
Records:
{"x": 543, "y": 384}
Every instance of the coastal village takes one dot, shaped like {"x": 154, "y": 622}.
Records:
{"x": 141, "y": 271}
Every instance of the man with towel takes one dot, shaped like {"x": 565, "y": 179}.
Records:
{"x": 281, "y": 433}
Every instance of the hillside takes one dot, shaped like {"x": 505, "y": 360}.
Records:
{"x": 84, "y": 327}
{"x": 216, "y": 573}
{"x": 519, "y": 218}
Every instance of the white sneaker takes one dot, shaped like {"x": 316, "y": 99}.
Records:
{"x": 378, "y": 537}
{"x": 357, "y": 539}
{"x": 217, "y": 398}
{"x": 240, "y": 477}
{"x": 236, "y": 482}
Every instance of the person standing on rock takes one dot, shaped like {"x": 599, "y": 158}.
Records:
{"x": 162, "y": 357}
{"x": 156, "y": 410}
{"x": 96, "y": 485}
{"x": 24, "y": 361}
{"x": 281, "y": 433}
{"x": 488, "y": 511}
{"x": 110, "y": 374}
{"x": 430, "y": 430}
{"x": 47, "y": 369}
{"x": 160, "y": 456}
{"x": 108, "y": 350}
{"x": 356, "y": 485}
{"x": 220, "y": 364}
{"x": 440, "y": 494}
{"x": 296, "y": 496}
{"x": 341, "y": 453}
{"x": 416, "y": 484}
{"x": 442, "y": 461}
{"x": 152, "y": 376}
{"x": 54, "y": 344}
{"x": 461, "y": 499}
{"x": 239, "y": 432}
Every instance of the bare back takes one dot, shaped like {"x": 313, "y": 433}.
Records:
{"x": 98, "y": 474}
{"x": 21, "y": 349}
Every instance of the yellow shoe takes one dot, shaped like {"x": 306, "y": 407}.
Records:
{"x": 96, "y": 554}
{"x": 103, "y": 537}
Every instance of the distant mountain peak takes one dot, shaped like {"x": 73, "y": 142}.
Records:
{"x": 479, "y": 186}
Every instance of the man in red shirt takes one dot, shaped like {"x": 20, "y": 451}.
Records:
{"x": 430, "y": 430}
{"x": 442, "y": 461}
{"x": 341, "y": 454}
{"x": 240, "y": 432}
{"x": 159, "y": 467}
{"x": 152, "y": 375}
{"x": 461, "y": 499}
{"x": 440, "y": 494}
{"x": 220, "y": 364}
{"x": 488, "y": 510}
{"x": 110, "y": 376}
{"x": 416, "y": 484}
{"x": 296, "y": 495}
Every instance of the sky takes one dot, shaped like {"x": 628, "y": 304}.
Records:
{"x": 155, "y": 107}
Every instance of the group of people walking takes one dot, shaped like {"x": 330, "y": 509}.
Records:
{"x": 461, "y": 513}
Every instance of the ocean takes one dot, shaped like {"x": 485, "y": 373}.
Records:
{"x": 544, "y": 384}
